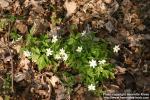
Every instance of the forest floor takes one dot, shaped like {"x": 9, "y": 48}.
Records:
{"x": 122, "y": 22}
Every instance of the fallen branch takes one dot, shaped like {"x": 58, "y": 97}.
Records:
{"x": 11, "y": 61}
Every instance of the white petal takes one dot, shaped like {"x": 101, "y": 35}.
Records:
{"x": 116, "y": 48}
{"x": 91, "y": 87}
{"x": 102, "y": 62}
{"x": 83, "y": 33}
{"x": 65, "y": 57}
{"x": 93, "y": 63}
{"x": 57, "y": 57}
{"x": 62, "y": 52}
{"x": 54, "y": 39}
{"x": 79, "y": 49}
{"x": 49, "y": 52}
{"x": 27, "y": 53}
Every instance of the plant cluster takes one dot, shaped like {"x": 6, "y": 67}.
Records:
{"x": 81, "y": 52}
{"x": 6, "y": 84}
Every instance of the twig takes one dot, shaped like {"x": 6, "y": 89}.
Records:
{"x": 127, "y": 50}
{"x": 2, "y": 79}
{"x": 11, "y": 62}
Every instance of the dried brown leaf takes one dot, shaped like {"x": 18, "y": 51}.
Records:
{"x": 54, "y": 80}
{"x": 60, "y": 92}
{"x": 17, "y": 48}
{"x": 4, "y": 3}
{"x": 112, "y": 88}
{"x": 109, "y": 26}
{"x": 21, "y": 27}
{"x": 1, "y": 98}
{"x": 108, "y": 1}
{"x": 7, "y": 59}
{"x": 24, "y": 63}
{"x": 70, "y": 7}
{"x": 19, "y": 77}
{"x": 120, "y": 70}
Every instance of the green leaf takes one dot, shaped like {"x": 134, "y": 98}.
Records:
{"x": 35, "y": 50}
{"x": 14, "y": 35}
{"x": 71, "y": 41}
{"x": 105, "y": 74}
{"x": 90, "y": 72}
{"x": 3, "y": 23}
{"x": 35, "y": 57}
{"x": 12, "y": 18}
{"x": 29, "y": 39}
{"x": 112, "y": 75}
{"x": 41, "y": 62}
{"x": 95, "y": 52}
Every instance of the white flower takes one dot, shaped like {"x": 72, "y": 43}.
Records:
{"x": 79, "y": 49}
{"x": 19, "y": 38}
{"x": 27, "y": 53}
{"x": 65, "y": 57}
{"x": 62, "y": 55}
{"x": 62, "y": 51}
{"x": 116, "y": 48}
{"x": 101, "y": 62}
{"x": 83, "y": 33}
{"x": 93, "y": 63}
{"x": 91, "y": 87}
{"x": 49, "y": 52}
{"x": 54, "y": 39}
{"x": 57, "y": 57}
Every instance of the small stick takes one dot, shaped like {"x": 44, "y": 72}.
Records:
{"x": 11, "y": 63}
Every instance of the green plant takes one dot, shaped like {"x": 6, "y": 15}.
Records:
{"x": 87, "y": 57}
{"x": 15, "y": 36}
{"x": 7, "y": 84}
{"x": 3, "y": 23}
{"x": 68, "y": 80}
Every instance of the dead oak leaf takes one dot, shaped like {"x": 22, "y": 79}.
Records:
{"x": 19, "y": 76}
{"x": 120, "y": 70}
{"x": 70, "y": 7}
{"x": 108, "y": 1}
{"x": 17, "y": 47}
{"x": 1, "y": 98}
{"x": 21, "y": 27}
{"x": 24, "y": 63}
{"x": 7, "y": 59}
{"x": 4, "y": 3}
{"x": 109, "y": 26}
{"x": 54, "y": 80}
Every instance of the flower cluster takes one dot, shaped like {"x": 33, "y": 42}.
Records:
{"x": 79, "y": 51}
{"x": 91, "y": 87}
{"x": 83, "y": 33}
{"x": 61, "y": 55}
{"x": 93, "y": 63}
{"x": 27, "y": 53}
{"x": 49, "y": 52}
{"x": 101, "y": 62}
{"x": 54, "y": 39}
{"x": 116, "y": 48}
